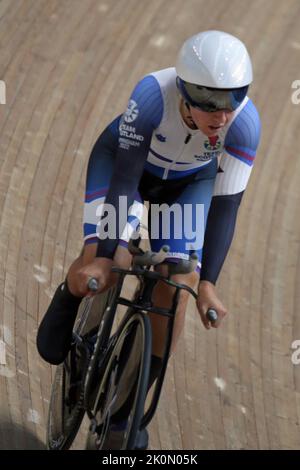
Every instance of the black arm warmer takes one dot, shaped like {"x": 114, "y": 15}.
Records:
{"x": 219, "y": 234}
{"x": 128, "y": 170}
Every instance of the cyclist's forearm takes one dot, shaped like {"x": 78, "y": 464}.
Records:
{"x": 135, "y": 128}
{"x": 127, "y": 174}
{"x": 218, "y": 235}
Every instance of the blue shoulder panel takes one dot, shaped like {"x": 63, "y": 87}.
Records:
{"x": 244, "y": 134}
{"x": 148, "y": 97}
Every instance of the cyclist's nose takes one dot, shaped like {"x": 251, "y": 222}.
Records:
{"x": 222, "y": 116}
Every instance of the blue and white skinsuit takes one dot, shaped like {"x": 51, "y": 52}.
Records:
{"x": 150, "y": 153}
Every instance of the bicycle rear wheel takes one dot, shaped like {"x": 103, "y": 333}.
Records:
{"x": 66, "y": 409}
{"x": 125, "y": 380}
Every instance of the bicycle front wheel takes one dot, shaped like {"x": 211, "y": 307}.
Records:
{"x": 123, "y": 387}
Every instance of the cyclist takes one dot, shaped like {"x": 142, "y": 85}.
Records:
{"x": 188, "y": 137}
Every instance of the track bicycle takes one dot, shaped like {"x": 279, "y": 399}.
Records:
{"x": 103, "y": 368}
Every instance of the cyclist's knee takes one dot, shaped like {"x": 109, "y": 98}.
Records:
{"x": 189, "y": 279}
{"x": 122, "y": 259}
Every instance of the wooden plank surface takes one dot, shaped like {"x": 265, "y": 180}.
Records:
{"x": 69, "y": 67}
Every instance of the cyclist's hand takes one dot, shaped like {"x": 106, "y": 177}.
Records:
{"x": 207, "y": 298}
{"x": 100, "y": 269}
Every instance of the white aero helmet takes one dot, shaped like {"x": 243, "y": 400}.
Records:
{"x": 213, "y": 71}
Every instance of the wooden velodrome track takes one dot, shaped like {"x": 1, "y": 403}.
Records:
{"x": 69, "y": 67}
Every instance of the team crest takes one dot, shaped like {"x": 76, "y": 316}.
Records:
{"x": 131, "y": 112}
{"x": 212, "y": 144}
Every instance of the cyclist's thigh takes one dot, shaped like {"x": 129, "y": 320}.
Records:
{"x": 164, "y": 293}
{"x": 182, "y": 225}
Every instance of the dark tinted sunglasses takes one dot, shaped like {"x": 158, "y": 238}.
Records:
{"x": 211, "y": 99}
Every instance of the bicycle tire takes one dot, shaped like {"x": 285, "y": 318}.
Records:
{"x": 134, "y": 338}
{"x": 62, "y": 427}
{"x": 64, "y": 419}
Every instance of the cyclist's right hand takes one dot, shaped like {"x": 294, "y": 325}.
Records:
{"x": 208, "y": 299}
{"x": 100, "y": 269}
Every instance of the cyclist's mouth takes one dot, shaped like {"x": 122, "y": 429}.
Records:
{"x": 215, "y": 128}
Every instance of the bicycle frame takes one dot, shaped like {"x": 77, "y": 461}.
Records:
{"x": 143, "y": 302}
{"x": 99, "y": 345}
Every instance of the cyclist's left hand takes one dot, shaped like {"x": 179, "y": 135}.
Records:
{"x": 207, "y": 298}
{"x": 100, "y": 269}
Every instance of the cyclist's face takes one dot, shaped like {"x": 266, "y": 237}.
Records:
{"x": 210, "y": 123}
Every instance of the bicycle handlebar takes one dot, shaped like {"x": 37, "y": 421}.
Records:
{"x": 150, "y": 258}
{"x": 93, "y": 284}
{"x": 184, "y": 266}
{"x": 212, "y": 315}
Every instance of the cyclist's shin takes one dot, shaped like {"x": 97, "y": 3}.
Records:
{"x": 55, "y": 331}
